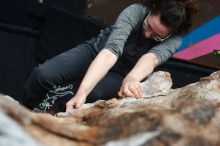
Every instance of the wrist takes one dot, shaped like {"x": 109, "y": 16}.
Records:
{"x": 131, "y": 77}
{"x": 82, "y": 92}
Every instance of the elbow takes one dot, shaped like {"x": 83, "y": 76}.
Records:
{"x": 152, "y": 58}
{"x": 112, "y": 57}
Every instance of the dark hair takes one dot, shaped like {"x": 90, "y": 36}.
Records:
{"x": 175, "y": 14}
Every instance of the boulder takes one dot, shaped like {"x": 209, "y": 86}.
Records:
{"x": 187, "y": 116}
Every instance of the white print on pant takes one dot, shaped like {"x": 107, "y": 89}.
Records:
{"x": 53, "y": 95}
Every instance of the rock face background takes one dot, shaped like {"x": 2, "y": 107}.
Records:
{"x": 188, "y": 116}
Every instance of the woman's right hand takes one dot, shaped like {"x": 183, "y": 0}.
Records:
{"x": 75, "y": 103}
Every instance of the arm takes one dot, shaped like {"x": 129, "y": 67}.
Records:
{"x": 131, "y": 83}
{"x": 97, "y": 70}
{"x": 145, "y": 66}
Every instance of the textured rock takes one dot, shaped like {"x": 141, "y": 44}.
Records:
{"x": 188, "y": 116}
{"x": 13, "y": 134}
{"x": 159, "y": 83}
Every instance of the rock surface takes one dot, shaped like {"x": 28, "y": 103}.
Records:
{"x": 187, "y": 116}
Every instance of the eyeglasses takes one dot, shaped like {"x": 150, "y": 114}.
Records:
{"x": 154, "y": 35}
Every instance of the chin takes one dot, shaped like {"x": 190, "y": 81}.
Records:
{"x": 146, "y": 37}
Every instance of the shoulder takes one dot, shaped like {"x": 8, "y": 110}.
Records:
{"x": 136, "y": 6}
{"x": 137, "y": 9}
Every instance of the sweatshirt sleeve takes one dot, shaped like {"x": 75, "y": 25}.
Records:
{"x": 166, "y": 49}
{"x": 126, "y": 22}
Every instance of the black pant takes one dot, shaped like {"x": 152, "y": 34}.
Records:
{"x": 68, "y": 67}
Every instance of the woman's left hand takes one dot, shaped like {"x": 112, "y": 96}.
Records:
{"x": 131, "y": 87}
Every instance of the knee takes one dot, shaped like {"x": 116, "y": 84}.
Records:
{"x": 39, "y": 77}
{"x": 34, "y": 88}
